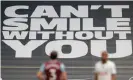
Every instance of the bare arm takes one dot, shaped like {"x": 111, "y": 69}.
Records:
{"x": 64, "y": 76}
{"x": 96, "y": 72}
{"x": 96, "y": 76}
{"x": 64, "y": 73}
{"x": 113, "y": 76}
{"x": 40, "y": 76}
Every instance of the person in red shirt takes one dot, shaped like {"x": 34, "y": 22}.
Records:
{"x": 52, "y": 69}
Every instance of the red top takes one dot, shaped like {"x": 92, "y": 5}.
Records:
{"x": 52, "y": 70}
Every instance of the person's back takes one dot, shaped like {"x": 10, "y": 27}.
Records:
{"x": 52, "y": 70}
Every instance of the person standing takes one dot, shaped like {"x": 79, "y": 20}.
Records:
{"x": 105, "y": 69}
{"x": 52, "y": 69}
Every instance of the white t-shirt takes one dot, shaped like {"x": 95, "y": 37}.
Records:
{"x": 105, "y": 70}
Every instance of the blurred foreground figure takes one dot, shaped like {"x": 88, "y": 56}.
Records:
{"x": 53, "y": 69}
{"x": 105, "y": 69}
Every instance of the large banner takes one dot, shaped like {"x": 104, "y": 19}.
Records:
{"x": 77, "y": 30}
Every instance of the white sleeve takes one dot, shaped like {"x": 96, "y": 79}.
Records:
{"x": 96, "y": 68}
{"x": 114, "y": 69}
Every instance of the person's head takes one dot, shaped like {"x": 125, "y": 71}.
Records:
{"x": 104, "y": 56}
{"x": 53, "y": 55}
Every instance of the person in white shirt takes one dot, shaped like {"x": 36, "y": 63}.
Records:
{"x": 105, "y": 69}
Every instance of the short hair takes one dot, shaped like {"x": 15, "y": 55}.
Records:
{"x": 53, "y": 55}
{"x": 104, "y": 52}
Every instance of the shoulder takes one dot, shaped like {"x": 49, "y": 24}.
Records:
{"x": 62, "y": 64}
{"x": 98, "y": 63}
{"x": 111, "y": 63}
{"x": 45, "y": 63}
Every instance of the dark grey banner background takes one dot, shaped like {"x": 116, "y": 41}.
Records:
{"x": 79, "y": 68}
